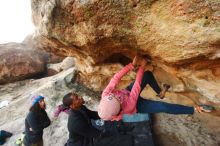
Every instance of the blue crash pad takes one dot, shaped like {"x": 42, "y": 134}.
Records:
{"x": 138, "y": 117}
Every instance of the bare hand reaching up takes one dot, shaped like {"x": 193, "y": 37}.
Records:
{"x": 143, "y": 62}
{"x": 135, "y": 60}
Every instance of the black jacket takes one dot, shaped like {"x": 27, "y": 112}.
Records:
{"x": 81, "y": 131}
{"x": 37, "y": 122}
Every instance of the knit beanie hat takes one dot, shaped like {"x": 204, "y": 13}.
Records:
{"x": 108, "y": 107}
{"x": 35, "y": 99}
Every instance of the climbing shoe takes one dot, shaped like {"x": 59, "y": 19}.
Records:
{"x": 204, "y": 108}
{"x": 166, "y": 87}
{"x": 207, "y": 108}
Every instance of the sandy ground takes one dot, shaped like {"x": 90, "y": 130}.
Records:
{"x": 184, "y": 130}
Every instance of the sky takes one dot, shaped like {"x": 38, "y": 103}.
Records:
{"x": 15, "y": 20}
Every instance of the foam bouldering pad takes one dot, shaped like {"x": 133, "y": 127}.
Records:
{"x": 138, "y": 117}
{"x": 137, "y": 125}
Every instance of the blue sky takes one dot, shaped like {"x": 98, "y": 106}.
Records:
{"x": 15, "y": 20}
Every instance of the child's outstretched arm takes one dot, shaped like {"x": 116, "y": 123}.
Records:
{"x": 135, "y": 91}
{"x": 117, "y": 77}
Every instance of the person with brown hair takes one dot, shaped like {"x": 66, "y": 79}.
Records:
{"x": 36, "y": 120}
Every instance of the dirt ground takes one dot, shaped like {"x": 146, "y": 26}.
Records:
{"x": 200, "y": 129}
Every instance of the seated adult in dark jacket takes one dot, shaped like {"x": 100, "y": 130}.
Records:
{"x": 35, "y": 122}
{"x": 81, "y": 131}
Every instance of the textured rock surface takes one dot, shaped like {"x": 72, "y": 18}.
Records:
{"x": 176, "y": 32}
{"x": 182, "y": 37}
{"x": 67, "y": 63}
{"x": 18, "y": 62}
{"x": 183, "y": 130}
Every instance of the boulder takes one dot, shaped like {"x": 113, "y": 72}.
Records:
{"x": 182, "y": 38}
{"x": 67, "y": 63}
{"x": 19, "y": 62}
{"x": 174, "y": 32}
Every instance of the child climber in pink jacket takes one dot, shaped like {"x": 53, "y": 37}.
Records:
{"x": 115, "y": 103}
{"x": 121, "y": 101}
